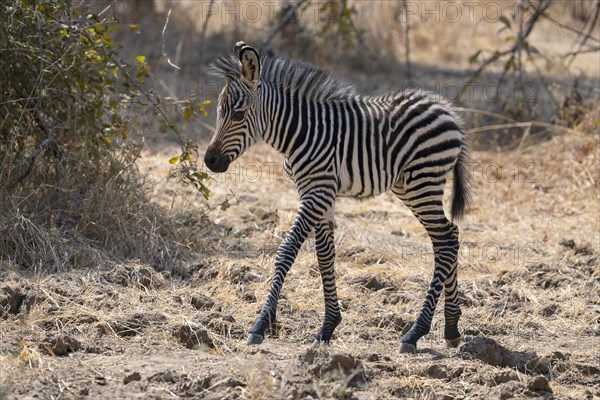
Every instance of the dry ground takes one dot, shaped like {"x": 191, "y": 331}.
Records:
{"x": 529, "y": 268}
{"x": 530, "y": 283}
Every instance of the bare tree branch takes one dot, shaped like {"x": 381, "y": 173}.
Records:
{"x": 569, "y": 28}
{"x": 289, "y": 14}
{"x": 587, "y": 36}
{"x": 406, "y": 39}
{"x": 203, "y": 33}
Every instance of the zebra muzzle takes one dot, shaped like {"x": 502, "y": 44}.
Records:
{"x": 215, "y": 161}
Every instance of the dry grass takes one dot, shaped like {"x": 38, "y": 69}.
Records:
{"x": 520, "y": 286}
{"x": 83, "y": 331}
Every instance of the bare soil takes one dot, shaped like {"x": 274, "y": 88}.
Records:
{"x": 529, "y": 278}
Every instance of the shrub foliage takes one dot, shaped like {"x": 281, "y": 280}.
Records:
{"x": 68, "y": 180}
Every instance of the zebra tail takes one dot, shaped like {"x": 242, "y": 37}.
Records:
{"x": 461, "y": 193}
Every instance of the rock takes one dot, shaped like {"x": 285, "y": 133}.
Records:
{"x": 135, "y": 376}
{"x": 539, "y": 383}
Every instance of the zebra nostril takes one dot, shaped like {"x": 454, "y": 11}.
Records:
{"x": 210, "y": 159}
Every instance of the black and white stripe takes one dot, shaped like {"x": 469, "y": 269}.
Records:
{"x": 338, "y": 143}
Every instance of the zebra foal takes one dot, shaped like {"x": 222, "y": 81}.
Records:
{"x": 338, "y": 143}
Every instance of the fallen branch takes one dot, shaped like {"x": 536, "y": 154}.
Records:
{"x": 528, "y": 124}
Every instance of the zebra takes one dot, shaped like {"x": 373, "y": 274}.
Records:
{"x": 338, "y": 143}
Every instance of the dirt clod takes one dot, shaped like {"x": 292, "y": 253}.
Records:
{"x": 437, "y": 372}
{"x": 10, "y": 301}
{"x": 240, "y": 273}
{"x": 61, "y": 345}
{"x": 368, "y": 282}
{"x": 568, "y": 243}
{"x": 487, "y": 350}
{"x": 335, "y": 367}
{"x": 505, "y": 376}
{"x": 100, "y": 380}
{"x": 201, "y": 302}
{"x": 194, "y": 337}
{"x": 135, "y": 376}
{"x": 32, "y": 299}
{"x": 127, "y": 275}
{"x": 164, "y": 377}
{"x": 491, "y": 352}
{"x": 549, "y": 310}
{"x": 539, "y": 383}
{"x": 196, "y": 385}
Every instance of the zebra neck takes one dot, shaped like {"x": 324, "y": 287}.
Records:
{"x": 287, "y": 120}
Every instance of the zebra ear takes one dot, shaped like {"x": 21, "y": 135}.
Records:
{"x": 250, "y": 63}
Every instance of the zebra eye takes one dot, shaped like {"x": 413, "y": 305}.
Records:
{"x": 238, "y": 115}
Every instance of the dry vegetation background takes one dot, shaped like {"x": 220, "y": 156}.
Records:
{"x": 146, "y": 289}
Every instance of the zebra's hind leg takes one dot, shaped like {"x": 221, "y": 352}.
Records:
{"x": 426, "y": 205}
{"x": 325, "y": 249}
{"x": 452, "y": 311}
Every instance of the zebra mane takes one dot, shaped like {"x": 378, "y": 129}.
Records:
{"x": 303, "y": 79}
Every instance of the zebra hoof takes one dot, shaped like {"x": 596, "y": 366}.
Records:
{"x": 453, "y": 342}
{"x": 407, "y": 348}
{"x": 254, "y": 339}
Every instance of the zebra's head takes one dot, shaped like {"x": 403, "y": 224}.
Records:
{"x": 237, "y": 123}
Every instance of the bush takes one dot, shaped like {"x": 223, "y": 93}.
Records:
{"x": 68, "y": 179}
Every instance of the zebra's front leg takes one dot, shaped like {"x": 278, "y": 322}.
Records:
{"x": 325, "y": 249}
{"x": 309, "y": 213}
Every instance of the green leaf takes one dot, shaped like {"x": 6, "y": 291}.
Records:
{"x": 474, "y": 57}
{"x": 505, "y": 21}
{"x": 173, "y": 160}
{"x": 187, "y": 112}
{"x": 510, "y": 64}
